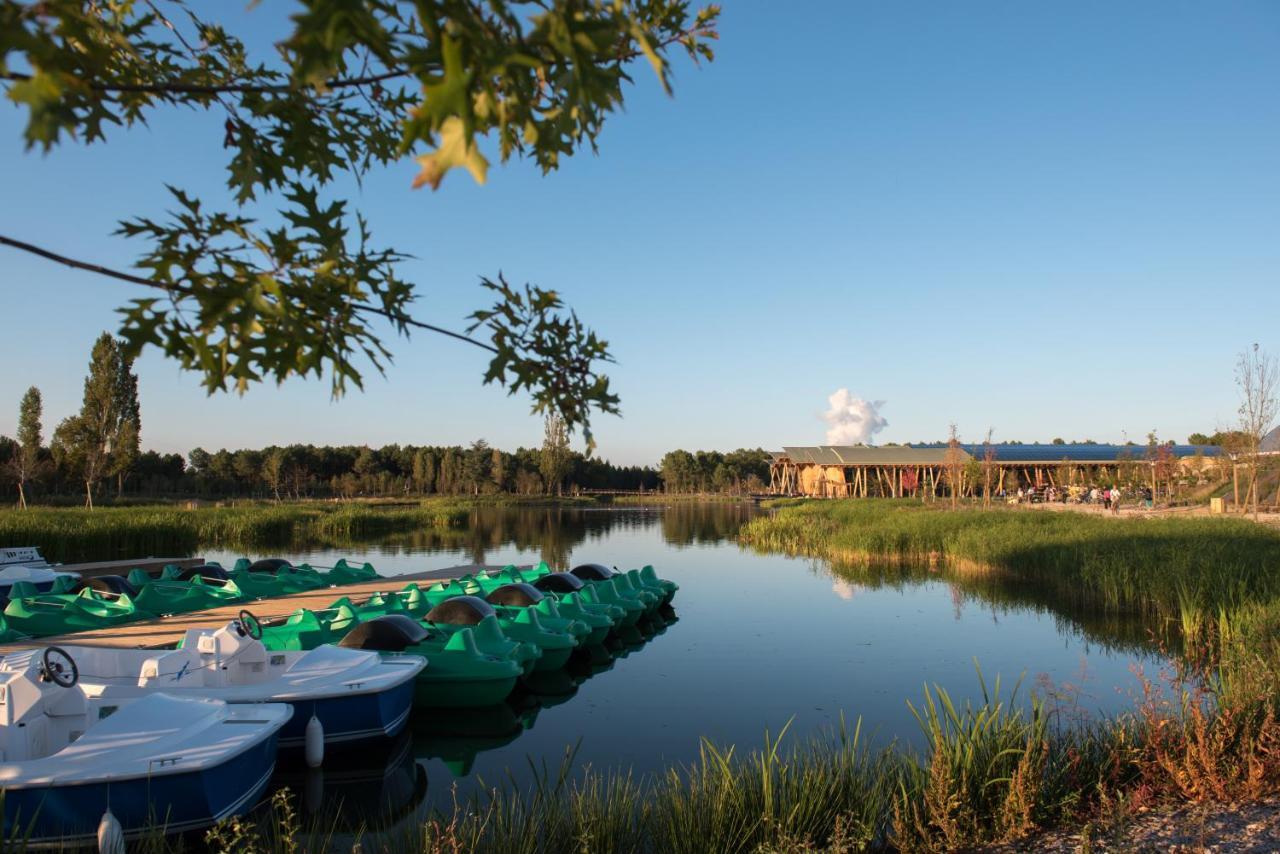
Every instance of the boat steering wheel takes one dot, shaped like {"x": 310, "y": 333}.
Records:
{"x": 250, "y": 624}
{"x": 59, "y": 667}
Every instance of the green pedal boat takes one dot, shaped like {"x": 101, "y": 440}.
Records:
{"x": 276, "y": 576}
{"x": 458, "y": 672}
{"x": 178, "y": 591}
{"x": 7, "y": 633}
{"x": 520, "y": 604}
{"x": 95, "y": 606}
{"x": 561, "y": 599}
{"x": 553, "y": 637}
{"x": 487, "y": 632}
{"x": 461, "y": 610}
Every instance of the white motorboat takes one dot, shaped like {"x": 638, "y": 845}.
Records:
{"x": 27, "y": 564}
{"x": 355, "y": 695}
{"x": 156, "y": 760}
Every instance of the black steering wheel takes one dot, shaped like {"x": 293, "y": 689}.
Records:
{"x": 250, "y": 625}
{"x": 59, "y": 668}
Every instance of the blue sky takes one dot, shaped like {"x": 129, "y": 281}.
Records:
{"x": 1051, "y": 219}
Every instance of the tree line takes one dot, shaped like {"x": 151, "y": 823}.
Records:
{"x": 97, "y": 452}
{"x": 351, "y": 471}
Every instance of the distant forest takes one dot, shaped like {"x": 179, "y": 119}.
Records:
{"x": 97, "y": 453}
{"x": 349, "y": 471}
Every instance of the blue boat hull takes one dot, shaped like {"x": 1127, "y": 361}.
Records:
{"x": 178, "y": 802}
{"x": 352, "y": 719}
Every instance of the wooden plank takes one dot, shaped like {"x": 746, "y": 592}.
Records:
{"x": 150, "y": 565}
{"x": 167, "y": 631}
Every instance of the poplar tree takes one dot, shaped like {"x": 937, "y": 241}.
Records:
{"x": 82, "y": 442}
{"x": 554, "y": 461}
{"x": 424, "y": 470}
{"x": 126, "y": 440}
{"x": 27, "y": 459}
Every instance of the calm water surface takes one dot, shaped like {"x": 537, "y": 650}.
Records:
{"x": 760, "y": 640}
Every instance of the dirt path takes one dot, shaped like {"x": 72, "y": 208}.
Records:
{"x": 1134, "y": 510}
{"x": 1234, "y": 828}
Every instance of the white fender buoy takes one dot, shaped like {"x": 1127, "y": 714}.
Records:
{"x": 110, "y": 834}
{"x": 313, "y": 742}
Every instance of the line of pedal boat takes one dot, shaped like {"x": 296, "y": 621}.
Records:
{"x": 69, "y": 604}
{"x": 482, "y": 633}
{"x": 129, "y": 739}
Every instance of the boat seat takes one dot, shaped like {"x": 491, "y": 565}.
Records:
{"x": 169, "y": 667}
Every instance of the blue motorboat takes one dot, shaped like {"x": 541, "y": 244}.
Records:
{"x": 69, "y": 762}
{"x": 354, "y": 694}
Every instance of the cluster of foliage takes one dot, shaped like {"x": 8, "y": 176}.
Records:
{"x": 283, "y": 279}
{"x": 104, "y": 438}
{"x": 1220, "y": 438}
{"x": 350, "y": 471}
{"x": 739, "y": 472}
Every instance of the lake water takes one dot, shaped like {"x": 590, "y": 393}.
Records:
{"x": 760, "y": 640}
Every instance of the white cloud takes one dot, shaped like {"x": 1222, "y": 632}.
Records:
{"x": 852, "y": 420}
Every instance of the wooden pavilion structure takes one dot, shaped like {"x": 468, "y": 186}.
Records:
{"x": 893, "y": 471}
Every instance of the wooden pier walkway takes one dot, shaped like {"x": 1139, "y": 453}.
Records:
{"x": 149, "y": 565}
{"x": 167, "y": 631}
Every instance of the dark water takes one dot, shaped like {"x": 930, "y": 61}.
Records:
{"x": 761, "y": 640}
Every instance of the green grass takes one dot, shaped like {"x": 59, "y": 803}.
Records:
{"x": 109, "y": 532}
{"x": 988, "y": 772}
{"x": 1154, "y": 567}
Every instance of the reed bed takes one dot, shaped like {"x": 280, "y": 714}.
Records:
{"x": 1154, "y": 567}
{"x": 109, "y": 532}
{"x": 994, "y": 771}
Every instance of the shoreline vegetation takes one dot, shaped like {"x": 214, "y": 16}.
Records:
{"x": 998, "y": 770}
{"x": 69, "y": 534}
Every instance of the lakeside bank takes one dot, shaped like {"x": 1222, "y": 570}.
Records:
{"x": 66, "y": 534}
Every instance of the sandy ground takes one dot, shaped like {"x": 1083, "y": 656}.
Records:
{"x": 1235, "y": 828}
{"x": 1133, "y": 510}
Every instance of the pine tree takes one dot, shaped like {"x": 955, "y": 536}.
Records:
{"x": 27, "y": 459}
{"x": 476, "y": 465}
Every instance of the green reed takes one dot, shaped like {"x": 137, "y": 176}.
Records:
{"x": 111, "y": 532}
{"x": 1158, "y": 567}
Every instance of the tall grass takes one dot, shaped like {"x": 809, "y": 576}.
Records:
{"x": 103, "y": 533}
{"x": 1155, "y": 567}
{"x": 993, "y": 771}
{"x": 990, "y": 772}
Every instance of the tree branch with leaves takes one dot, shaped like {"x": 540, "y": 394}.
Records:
{"x": 348, "y": 88}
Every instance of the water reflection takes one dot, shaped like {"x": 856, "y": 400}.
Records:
{"x": 372, "y": 788}
{"x": 456, "y": 737}
{"x": 997, "y": 595}
{"x": 762, "y": 642}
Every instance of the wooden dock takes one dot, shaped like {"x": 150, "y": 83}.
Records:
{"x": 167, "y": 631}
{"x": 149, "y": 565}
